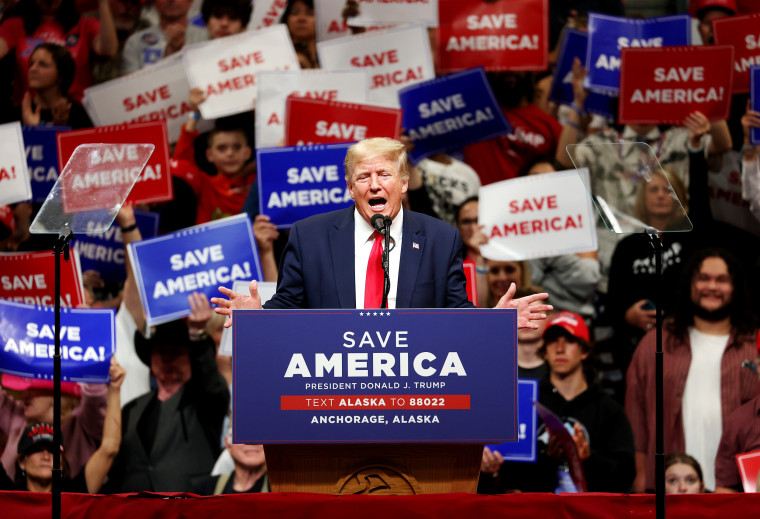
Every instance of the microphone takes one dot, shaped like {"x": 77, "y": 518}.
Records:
{"x": 378, "y": 222}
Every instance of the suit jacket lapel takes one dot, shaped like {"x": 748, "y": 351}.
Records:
{"x": 342, "y": 249}
{"x": 412, "y": 245}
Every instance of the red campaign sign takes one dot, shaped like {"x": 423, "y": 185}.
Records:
{"x": 364, "y": 402}
{"x": 155, "y": 182}
{"x": 317, "y": 121}
{"x": 664, "y": 85}
{"x": 498, "y": 36}
{"x": 742, "y": 34}
{"x": 29, "y": 278}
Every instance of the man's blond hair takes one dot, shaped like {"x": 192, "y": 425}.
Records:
{"x": 367, "y": 149}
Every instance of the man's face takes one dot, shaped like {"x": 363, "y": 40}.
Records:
{"x": 467, "y": 223}
{"x": 228, "y": 152}
{"x": 126, "y": 13}
{"x": 173, "y": 9}
{"x": 219, "y": 26}
{"x": 564, "y": 355}
{"x": 705, "y": 24}
{"x": 377, "y": 188}
{"x": 249, "y": 456}
{"x": 711, "y": 287}
{"x": 170, "y": 364}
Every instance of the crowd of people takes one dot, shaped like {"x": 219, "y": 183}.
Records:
{"x": 162, "y": 424}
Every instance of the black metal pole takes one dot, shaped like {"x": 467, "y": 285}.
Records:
{"x": 61, "y": 248}
{"x": 659, "y": 454}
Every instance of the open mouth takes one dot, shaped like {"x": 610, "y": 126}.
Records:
{"x": 377, "y": 204}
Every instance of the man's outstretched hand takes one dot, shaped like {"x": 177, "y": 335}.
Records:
{"x": 237, "y": 301}
{"x": 527, "y": 312}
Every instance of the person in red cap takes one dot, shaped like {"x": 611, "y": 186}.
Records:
{"x": 601, "y": 431}
{"x": 83, "y": 410}
{"x": 708, "y": 10}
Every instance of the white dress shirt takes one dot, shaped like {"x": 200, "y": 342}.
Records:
{"x": 363, "y": 241}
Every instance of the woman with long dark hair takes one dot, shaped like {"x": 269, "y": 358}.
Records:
{"x": 57, "y": 21}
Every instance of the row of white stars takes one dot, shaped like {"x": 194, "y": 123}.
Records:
{"x": 370, "y": 314}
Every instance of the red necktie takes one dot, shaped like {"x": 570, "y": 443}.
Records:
{"x": 373, "y": 288}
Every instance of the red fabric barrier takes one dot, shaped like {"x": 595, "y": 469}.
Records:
{"x": 29, "y": 505}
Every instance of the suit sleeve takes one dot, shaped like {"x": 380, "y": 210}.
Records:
{"x": 290, "y": 283}
{"x": 456, "y": 292}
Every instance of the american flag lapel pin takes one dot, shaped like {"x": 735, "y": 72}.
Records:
{"x": 415, "y": 245}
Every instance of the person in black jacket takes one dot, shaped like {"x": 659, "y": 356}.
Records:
{"x": 599, "y": 427}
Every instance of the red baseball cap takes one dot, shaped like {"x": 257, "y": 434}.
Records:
{"x": 697, "y": 6}
{"x": 571, "y": 323}
{"x": 24, "y": 383}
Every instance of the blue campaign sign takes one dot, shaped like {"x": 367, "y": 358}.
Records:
{"x": 754, "y": 93}
{"x": 394, "y": 376}
{"x": 525, "y": 447}
{"x": 170, "y": 267}
{"x": 42, "y": 158}
{"x": 449, "y": 112}
{"x": 609, "y": 34}
{"x": 27, "y": 337}
{"x": 297, "y": 182}
{"x": 574, "y": 46}
{"x": 105, "y": 252}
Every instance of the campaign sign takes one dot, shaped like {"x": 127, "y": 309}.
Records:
{"x": 573, "y": 46}
{"x": 525, "y": 447}
{"x": 266, "y": 14}
{"x": 449, "y": 112}
{"x": 382, "y": 12}
{"x": 313, "y": 121}
{"x": 170, "y": 267}
{"x": 392, "y": 376}
{"x": 663, "y": 86}
{"x": 754, "y": 71}
{"x": 394, "y": 58}
{"x": 537, "y": 216}
{"x": 741, "y": 33}
{"x": 608, "y": 35}
{"x": 155, "y": 182}
{"x": 298, "y": 182}
{"x": 329, "y": 20}
{"x": 105, "y": 252}
{"x": 495, "y": 35}
{"x": 42, "y": 158}
{"x": 225, "y": 68}
{"x": 275, "y": 88}
{"x": 749, "y": 468}
{"x": 29, "y": 278}
{"x": 27, "y": 338}
{"x": 100, "y": 176}
{"x": 152, "y": 93}
{"x": 14, "y": 175}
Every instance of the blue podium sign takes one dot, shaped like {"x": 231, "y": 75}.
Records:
{"x": 380, "y": 376}
{"x": 28, "y": 342}
{"x": 525, "y": 447}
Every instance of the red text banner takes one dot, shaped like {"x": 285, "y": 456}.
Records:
{"x": 498, "y": 36}
{"x": 663, "y": 86}
{"x": 354, "y": 402}
{"x": 315, "y": 121}
{"x": 741, "y": 33}
{"x": 29, "y": 278}
{"x": 155, "y": 182}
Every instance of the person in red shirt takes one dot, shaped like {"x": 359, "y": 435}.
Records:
{"x": 57, "y": 21}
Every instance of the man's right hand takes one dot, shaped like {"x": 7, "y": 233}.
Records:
{"x": 237, "y": 301}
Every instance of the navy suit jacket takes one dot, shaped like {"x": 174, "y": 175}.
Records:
{"x": 317, "y": 265}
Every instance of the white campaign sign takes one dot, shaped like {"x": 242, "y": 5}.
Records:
{"x": 266, "y": 291}
{"x": 381, "y": 12}
{"x": 15, "y": 185}
{"x": 275, "y": 87}
{"x": 329, "y": 20}
{"x": 394, "y": 58}
{"x": 226, "y": 68}
{"x": 266, "y": 13}
{"x": 152, "y": 93}
{"x": 537, "y": 216}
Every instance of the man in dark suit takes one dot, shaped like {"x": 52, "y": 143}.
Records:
{"x": 327, "y": 256}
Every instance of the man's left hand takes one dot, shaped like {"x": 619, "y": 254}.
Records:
{"x": 526, "y": 311}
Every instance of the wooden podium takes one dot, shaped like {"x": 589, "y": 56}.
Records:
{"x": 379, "y": 469}
{"x": 355, "y": 402}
